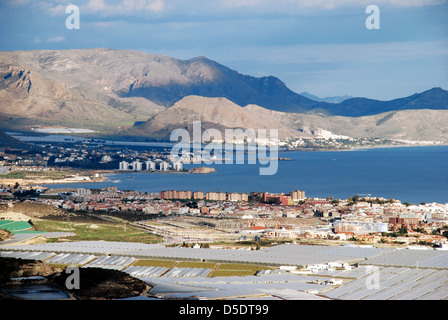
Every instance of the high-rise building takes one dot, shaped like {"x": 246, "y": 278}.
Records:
{"x": 168, "y": 194}
{"x": 178, "y": 166}
{"x": 150, "y": 166}
{"x": 184, "y": 195}
{"x": 124, "y": 166}
{"x": 297, "y": 195}
{"x": 164, "y": 166}
{"x": 281, "y": 198}
{"x": 222, "y": 196}
{"x": 212, "y": 196}
{"x": 198, "y": 195}
{"x": 137, "y": 165}
{"x": 235, "y": 196}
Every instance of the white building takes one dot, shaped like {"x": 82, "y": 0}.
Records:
{"x": 164, "y": 166}
{"x": 178, "y": 166}
{"x": 106, "y": 159}
{"x": 150, "y": 166}
{"x": 124, "y": 166}
{"x": 362, "y": 225}
{"x": 137, "y": 165}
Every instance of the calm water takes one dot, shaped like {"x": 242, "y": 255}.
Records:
{"x": 412, "y": 174}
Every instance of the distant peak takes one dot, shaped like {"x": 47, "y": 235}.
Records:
{"x": 436, "y": 90}
{"x": 200, "y": 58}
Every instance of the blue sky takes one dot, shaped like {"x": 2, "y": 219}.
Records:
{"x": 319, "y": 46}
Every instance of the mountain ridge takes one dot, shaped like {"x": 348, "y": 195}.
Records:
{"x": 127, "y": 91}
{"x": 221, "y": 114}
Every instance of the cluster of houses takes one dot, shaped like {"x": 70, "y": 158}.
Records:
{"x": 365, "y": 221}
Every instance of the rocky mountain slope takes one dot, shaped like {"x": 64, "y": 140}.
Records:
{"x": 136, "y": 93}
{"x": 221, "y": 113}
{"x": 66, "y": 88}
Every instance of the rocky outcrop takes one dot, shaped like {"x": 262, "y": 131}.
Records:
{"x": 202, "y": 170}
{"x": 95, "y": 283}
{"x": 4, "y": 235}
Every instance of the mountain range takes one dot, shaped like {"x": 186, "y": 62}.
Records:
{"x": 335, "y": 99}
{"x": 124, "y": 92}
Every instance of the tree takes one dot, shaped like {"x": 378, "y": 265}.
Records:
{"x": 382, "y": 240}
{"x": 402, "y": 230}
{"x": 353, "y": 200}
{"x": 420, "y": 229}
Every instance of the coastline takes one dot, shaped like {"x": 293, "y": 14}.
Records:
{"x": 98, "y": 176}
{"x": 385, "y": 146}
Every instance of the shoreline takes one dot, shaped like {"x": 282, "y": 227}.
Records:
{"x": 385, "y": 146}
{"x": 103, "y": 175}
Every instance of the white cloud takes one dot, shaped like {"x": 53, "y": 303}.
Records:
{"x": 56, "y": 39}
{"x": 327, "y": 4}
{"x": 59, "y": 9}
{"x": 17, "y": 2}
{"x": 103, "y": 7}
{"x": 243, "y": 3}
{"x": 156, "y": 6}
{"x": 124, "y": 6}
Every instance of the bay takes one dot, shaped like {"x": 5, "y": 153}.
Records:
{"x": 410, "y": 174}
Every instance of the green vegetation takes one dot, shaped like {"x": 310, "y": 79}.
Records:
{"x": 402, "y": 232}
{"x": 28, "y": 175}
{"x": 14, "y": 175}
{"x": 195, "y": 264}
{"x": 97, "y": 231}
{"x": 218, "y": 269}
{"x": 236, "y": 269}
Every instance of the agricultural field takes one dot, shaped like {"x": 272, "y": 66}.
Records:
{"x": 236, "y": 269}
{"x": 218, "y": 269}
{"x": 195, "y": 264}
{"x": 97, "y": 230}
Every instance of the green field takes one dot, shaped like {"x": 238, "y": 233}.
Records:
{"x": 218, "y": 269}
{"x": 194, "y": 264}
{"x": 97, "y": 231}
{"x": 237, "y": 269}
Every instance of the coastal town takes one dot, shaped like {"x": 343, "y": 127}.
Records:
{"x": 286, "y": 245}
{"x": 257, "y": 215}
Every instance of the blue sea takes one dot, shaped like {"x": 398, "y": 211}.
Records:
{"x": 410, "y": 174}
